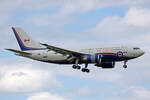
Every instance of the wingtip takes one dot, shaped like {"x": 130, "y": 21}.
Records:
{"x": 43, "y": 44}
{"x": 6, "y": 48}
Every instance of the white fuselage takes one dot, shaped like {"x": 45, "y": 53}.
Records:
{"x": 53, "y": 57}
{"x": 101, "y": 57}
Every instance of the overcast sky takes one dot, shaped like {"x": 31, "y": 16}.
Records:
{"x": 75, "y": 24}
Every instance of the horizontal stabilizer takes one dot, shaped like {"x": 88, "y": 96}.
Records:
{"x": 19, "y": 52}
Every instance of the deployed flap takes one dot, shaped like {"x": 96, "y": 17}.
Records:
{"x": 18, "y": 52}
{"x": 62, "y": 51}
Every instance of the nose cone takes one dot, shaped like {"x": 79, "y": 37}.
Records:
{"x": 142, "y": 52}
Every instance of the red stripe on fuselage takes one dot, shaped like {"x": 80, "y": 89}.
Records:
{"x": 107, "y": 53}
{"x": 113, "y": 54}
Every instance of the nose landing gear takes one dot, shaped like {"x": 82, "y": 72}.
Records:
{"x": 125, "y": 64}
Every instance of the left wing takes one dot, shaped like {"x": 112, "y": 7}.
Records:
{"x": 63, "y": 51}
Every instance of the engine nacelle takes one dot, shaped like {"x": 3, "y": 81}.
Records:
{"x": 106, "y": 64}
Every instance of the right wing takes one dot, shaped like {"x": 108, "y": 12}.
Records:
{"x": 19, "y": 52}
{"x": 72, "y": 55}
{"x": 62, "y": 51}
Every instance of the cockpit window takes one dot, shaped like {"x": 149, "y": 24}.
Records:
{"x": 136, "y": 48}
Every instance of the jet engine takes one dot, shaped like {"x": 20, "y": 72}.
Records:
{"x": 98, "y": 59}
{"x": 106, "y": 64}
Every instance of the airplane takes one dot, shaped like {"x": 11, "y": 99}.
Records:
{"x": 104, "y": 57}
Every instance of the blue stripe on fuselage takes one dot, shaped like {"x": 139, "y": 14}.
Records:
{"x": 96, "y": 58}
{"x": 89, "y": 58}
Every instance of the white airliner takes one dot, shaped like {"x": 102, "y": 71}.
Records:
{"x": 100, "y": 57}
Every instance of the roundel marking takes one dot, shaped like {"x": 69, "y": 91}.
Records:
{"x": 119, "y": 54}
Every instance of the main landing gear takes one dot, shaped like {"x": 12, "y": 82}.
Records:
{"x": 125, "y": 64}
{"x": 85, "y": 69}
{"x": 76, "y": 66}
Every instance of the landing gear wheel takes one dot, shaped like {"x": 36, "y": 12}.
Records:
{"x": 125, "y": 66}
{"x": 74, "y": 67}
{"x": 85, "y": 70}
{"x": 78, "y": 67}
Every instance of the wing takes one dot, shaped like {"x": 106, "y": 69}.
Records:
{"x": 19, "y": 52}
{"x": 62, "y": 51}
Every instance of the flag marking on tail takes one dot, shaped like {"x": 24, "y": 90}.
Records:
{"x": 27, "y": 40}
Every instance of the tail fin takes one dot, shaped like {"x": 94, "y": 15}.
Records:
{"x": 24, "y": 41}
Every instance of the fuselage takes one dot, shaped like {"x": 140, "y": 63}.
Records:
{"x": 104, "y": 57}
{"x": 120, "y": 53}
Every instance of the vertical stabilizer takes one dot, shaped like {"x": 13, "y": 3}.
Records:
{"x": 24, "y": 41}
